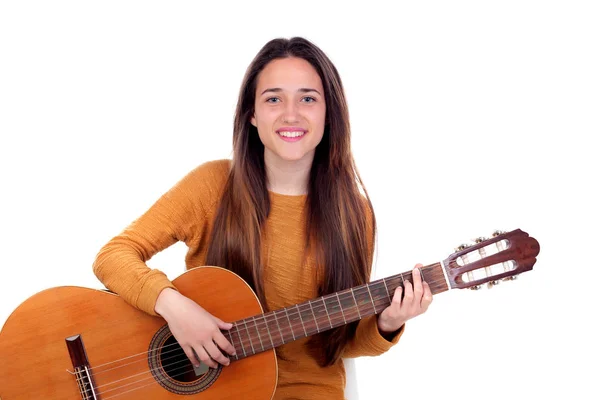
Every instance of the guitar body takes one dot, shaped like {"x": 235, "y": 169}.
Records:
{"x": 117, "y": 338}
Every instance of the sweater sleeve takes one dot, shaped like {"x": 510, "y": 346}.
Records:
{"x": 368, "y": 341}
{"x": 121, "y": 264}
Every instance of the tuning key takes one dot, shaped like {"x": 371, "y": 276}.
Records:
{"x": 510, "y": 278}
{"x": 476, "y": 287}
{"x": 491, "y": 284}
{"x": 462, "y": 247}
{"x": 498, "y": 232}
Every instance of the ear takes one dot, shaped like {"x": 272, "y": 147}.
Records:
{"x": 253, "y": 120}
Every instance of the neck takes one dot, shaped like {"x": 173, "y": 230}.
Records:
{"x": 266, "y": 331}
{"x": 287, "y": 176}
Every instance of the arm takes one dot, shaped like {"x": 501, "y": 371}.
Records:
{"x": 378, "y": 333}
{"x": 176, "y": 216}
{"x": 369, "y": 340}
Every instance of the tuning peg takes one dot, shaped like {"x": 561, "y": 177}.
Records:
{"x": 491, "y": 284}
{"x": 480, "y": 239}
{"x": 462, "y": 247}
{"x": 498, "y": 232}
{"x": 476, "y": 287}
{"x": 510, "y": 278}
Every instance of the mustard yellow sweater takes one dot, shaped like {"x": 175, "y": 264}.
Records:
{"x": 185, "y": 213}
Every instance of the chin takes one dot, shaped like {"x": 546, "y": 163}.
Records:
{"x": 292, "y": 157}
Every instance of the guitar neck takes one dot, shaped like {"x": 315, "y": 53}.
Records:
{"x": 266, "y": 331}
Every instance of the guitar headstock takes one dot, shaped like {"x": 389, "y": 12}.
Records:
{"x": 490, "y": 260}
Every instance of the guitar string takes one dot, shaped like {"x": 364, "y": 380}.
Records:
{"x": 246, "y": 344}
{"x": 259, "y": 323}
{"x": 245, "y": 340}
{"x": 181, "y": 364}
{"x": 186, "y": 361}
{"x": 102, "y": 394}
{"x": 299, "y": 313}
{"x": 272, "y": 316}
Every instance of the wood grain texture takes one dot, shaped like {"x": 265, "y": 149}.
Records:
{"x": 35, "y": 358}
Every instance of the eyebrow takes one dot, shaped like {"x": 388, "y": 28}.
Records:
{"x": 302, "y": 90}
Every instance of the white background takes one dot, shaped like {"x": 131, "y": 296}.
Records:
{"x": 467, "y": 117}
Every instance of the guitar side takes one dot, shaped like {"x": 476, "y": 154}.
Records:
{"x": 36, "y": 362}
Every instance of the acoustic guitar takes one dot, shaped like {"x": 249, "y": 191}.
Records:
{"x": 69, "y": 343}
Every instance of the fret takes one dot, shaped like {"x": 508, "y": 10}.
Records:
{"x": 290, "y": 322}
{"x": 380, "y": 293}
{"x": 387, "y": 290}
{"x": 320, "y": 312}
{"x": 327, "y": 312}
{"x": 249, "y": 337}
{"x": 314, "y": 317}
{"x": 371, "y": 297}
{"x": 232, "y": 342}
{"x": 268, "y": 331}
{"x": 341, "y": 308}
{"x": 351, "y": 310}
{"x": 355, "y": 303}
{"x": 241, "y": 340}
{"x": 279, "y": 328}
{"x": 333, "y": 306}
{"x": 403, "y": 282}
{"x": 259, "y": 335}
{"x": 300, "y": 315}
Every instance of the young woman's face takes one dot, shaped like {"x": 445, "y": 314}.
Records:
{"x": 289, "y": 110}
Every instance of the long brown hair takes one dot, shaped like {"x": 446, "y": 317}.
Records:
{"x": 337, "y": 212}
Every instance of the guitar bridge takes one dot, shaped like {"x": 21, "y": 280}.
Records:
{"x": 81, "y": 366}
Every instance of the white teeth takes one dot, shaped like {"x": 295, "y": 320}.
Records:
{"x": 291, "y": 134}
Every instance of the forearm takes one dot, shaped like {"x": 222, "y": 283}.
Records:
{"x": 123, "y": 270}
{"x": 369, "y": 341}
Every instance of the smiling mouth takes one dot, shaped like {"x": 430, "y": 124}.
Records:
{"x": 293, "y": 134}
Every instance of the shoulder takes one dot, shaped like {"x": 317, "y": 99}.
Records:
{"x": 211, "y": 172}
{"x": 204, "y": 183}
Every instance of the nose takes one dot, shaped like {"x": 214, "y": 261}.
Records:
{"x": 290, "y": 112}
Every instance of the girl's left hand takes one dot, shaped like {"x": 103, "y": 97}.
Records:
{"x": 415, "y": 302}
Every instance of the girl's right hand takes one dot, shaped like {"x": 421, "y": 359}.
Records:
{"x": 194, "y": 328}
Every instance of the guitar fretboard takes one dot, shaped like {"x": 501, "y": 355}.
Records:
{"x": 266, "y": 331}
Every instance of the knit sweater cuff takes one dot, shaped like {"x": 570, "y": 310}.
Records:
{"x": 381, "y": 343}
{"x": 155, "y": 283}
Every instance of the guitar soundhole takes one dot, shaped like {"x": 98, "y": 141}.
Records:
{"x": 172, "y": 369}
{"x": 175, "y": 362}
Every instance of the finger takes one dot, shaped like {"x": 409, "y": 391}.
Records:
{"x": 397, "y": 299}
{"x": 204, "y": 357}
{"x": 408, "y": 295}
{"x": 191, "y": 355}
{"x": 427, "y": 296}
{"x": 214, "y": 352}
{"x": 223, "y": 325}
{"x": 224, "y": 344}
{"x": 418, "y": 283}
